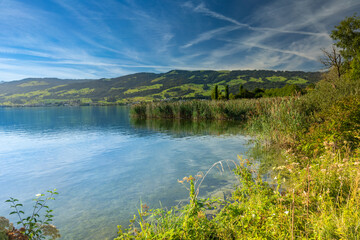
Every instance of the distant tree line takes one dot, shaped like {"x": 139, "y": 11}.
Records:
{"x": 287, "y": 90}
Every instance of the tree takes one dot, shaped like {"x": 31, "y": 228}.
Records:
{"x": 333, "y": 59}
{"x": 347, "y": 37}
{"x": 227, "y": 92}
{"x": 258, "y": 92}
{"x": 215, "y": 93}
{"x": 243, "y": 93}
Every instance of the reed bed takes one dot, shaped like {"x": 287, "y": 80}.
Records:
{"x": 277, "y": 119}
{"x": 241, "y": 109}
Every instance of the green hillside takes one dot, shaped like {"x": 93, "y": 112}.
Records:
{"x": 176, "y": 84}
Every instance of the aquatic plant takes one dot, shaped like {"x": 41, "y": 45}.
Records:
{"x": 34, "y": 226}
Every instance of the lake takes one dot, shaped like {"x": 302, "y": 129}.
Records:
{"x": 103, "y": 164}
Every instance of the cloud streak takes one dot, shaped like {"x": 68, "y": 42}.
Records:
{"x": 204, "y": 10}
{"x": 281, "y": 39}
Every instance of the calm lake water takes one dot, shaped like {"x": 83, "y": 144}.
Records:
{"x": 103, "y": 164}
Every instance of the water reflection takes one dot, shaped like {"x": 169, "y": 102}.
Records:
{"x": 181, "y": 127}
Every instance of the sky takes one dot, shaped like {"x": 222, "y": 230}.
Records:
{"x": 82, "y": 39}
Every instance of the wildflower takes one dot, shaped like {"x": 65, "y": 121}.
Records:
{"x": 275, "y": 178}
{"x": 145, "y": 207}
{"x": 190, "y": 178}
{"x": 201, "y": 214}
{"x": 286, "y": 212}
{"x": 38, "y": 195}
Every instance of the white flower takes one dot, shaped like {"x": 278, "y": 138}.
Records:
{"x": 286, "y": 212}
{"x": 38, "y": 195}
{"x": 275, "y": 178}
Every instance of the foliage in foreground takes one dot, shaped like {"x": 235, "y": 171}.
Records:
{"x": 34, "y": 226}
{"x": 322, "y": 202}
{"x": 316, "y": 194}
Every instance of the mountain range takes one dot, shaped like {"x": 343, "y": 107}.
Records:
{"x": 175, "y": 84}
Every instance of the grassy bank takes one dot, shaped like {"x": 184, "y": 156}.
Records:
{"x": 316, "y": 194}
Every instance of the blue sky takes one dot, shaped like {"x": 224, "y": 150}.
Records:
{"x": 110, "y": 38}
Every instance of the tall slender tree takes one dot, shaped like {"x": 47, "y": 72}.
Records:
{"x": 227, "y": 92}
{"x": 215, "y": 93}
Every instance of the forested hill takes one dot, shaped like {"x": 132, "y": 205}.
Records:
{"x": 176, "y": 84}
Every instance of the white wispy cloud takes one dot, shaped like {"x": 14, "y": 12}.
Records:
{"x": 281, "y": 38}
{"x": 210, "y": 35}
{"x": 201, "y": 8}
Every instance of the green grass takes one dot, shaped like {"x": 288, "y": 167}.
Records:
{"x": 33, "y": 83}
{"x": 297, "y": 80}
{"x": 252, "y": 79}
{"x": 236, "y": 81}
{"x": 158, "y": 79}
{"x": 38, "y": 93}
{"x": 116, "y": 89}
{"x": 276, "y": 79}
{"x": 143, "y": 88}
{"x": 83, "y": 91}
